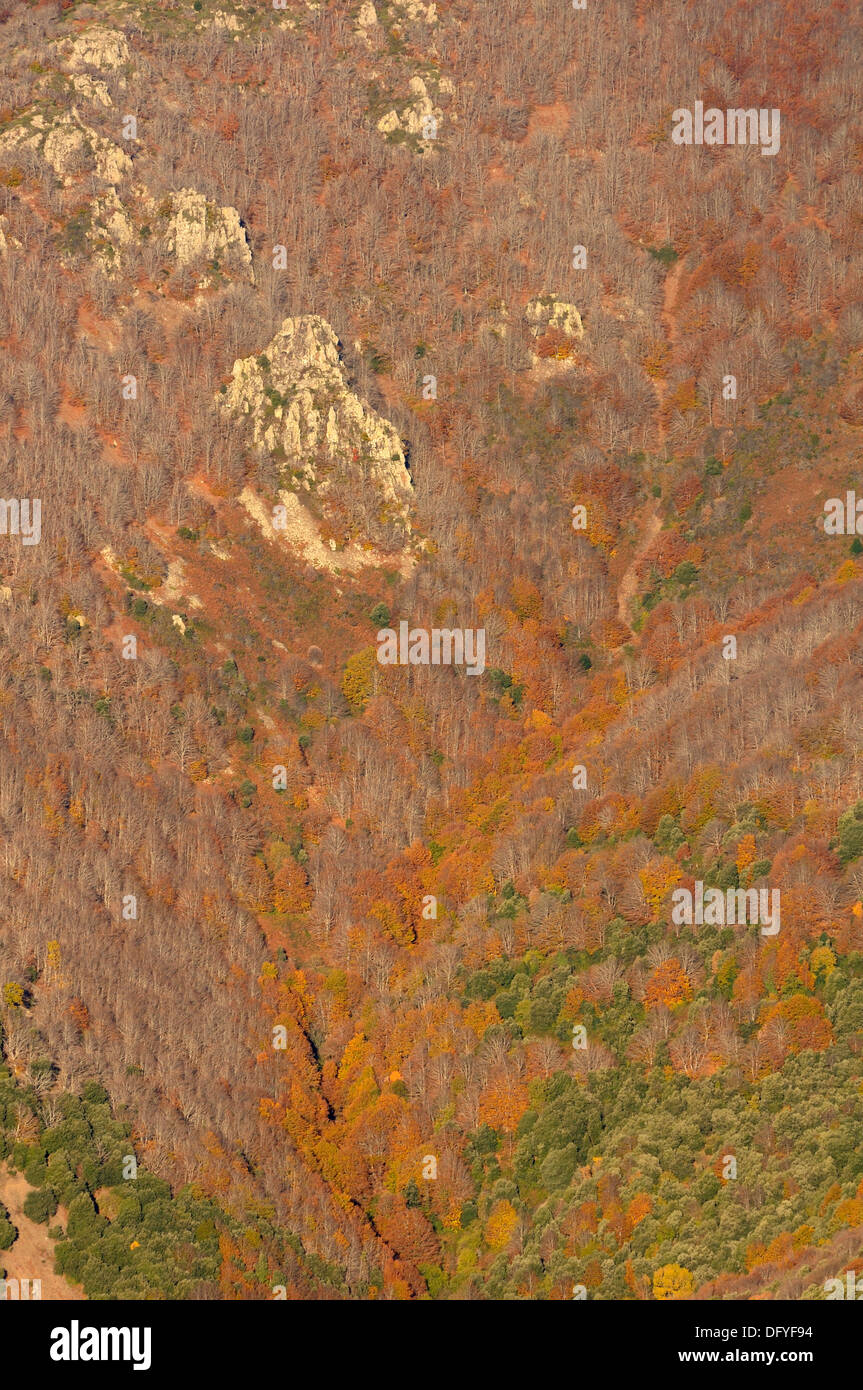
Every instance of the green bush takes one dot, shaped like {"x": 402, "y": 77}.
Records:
{"x": 668, "y": 836}
{"x": 502, "y": 684}
{"x": 380, "y": 615}
{"x": 39, "y": 1205}
{"x": 686, "y": 572}
{"x": 666, "y": 255}
{"x": 558, "y": 1168}
{"x": 7, "y": 1230}
{"x": 850, "y": 829}
{"x": 83, "y": 1223}
{"x": 36, "y": 1172}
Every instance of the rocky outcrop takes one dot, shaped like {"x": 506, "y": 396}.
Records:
{"x": 61, "y": 139}
{"x": 104, "y": 50}
{"x": 414, "y": 10}
{"x": 200, "y": 230}
{"x": 367, "y": 18}
{"x": 223, "y": 19}
{"x": 189, "y": 228}
{"x": 91, "y": 89}
{"x": 67, "y": 146}
{"x": 556, "y": 327}
{"x": 418, "y": 117}
{"x": 111, "y": 229}
{"x": 94, "y": 47}
{"x": 300, "y": 408}
{"x": 397, "y": 11}
{"x": 548, "y": 312}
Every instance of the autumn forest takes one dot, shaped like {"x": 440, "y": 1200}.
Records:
{"x": 431, "y": 649}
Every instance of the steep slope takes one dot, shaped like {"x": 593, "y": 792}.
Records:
{"x": 387, "y": 956}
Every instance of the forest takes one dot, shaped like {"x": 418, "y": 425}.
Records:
{"x": 319, "y": 319}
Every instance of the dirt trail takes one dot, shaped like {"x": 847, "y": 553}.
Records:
{"x": 668, "y": 316}
{"x": 32, "y": 1254}
{"x": 628, "y": 586}
{"x": 650, "y": 520}
{"x": 670, "y": 293}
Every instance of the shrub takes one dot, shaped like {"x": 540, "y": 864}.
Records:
{"x": 686, "y": 572}
{"x": 850, "y": 829}
{"x": 7, "y": 1230}
{"x": 39, "y": 1205}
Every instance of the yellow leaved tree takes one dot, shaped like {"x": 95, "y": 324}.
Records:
{"x": 673, "y": 1281}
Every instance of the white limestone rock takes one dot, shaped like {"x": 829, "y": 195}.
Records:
{"x": 367, "y": 17}
{"x": 549, "y": 312}
{"x": 111, "y": 230}
{"x": 91, "y": 89}
{"x": 223, "y": 19}
{"x": 95, "y": 47}
{"x": 299, "y": 406}
{"x": 200, "y": 230}
{"x": 189, "y": 227}
{"x": 417, "y": 116}
{"x": 415, "y": 10}
{"x": 68, "y": 147}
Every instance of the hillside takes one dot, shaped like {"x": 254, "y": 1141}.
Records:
{"x": 323, "y": 319}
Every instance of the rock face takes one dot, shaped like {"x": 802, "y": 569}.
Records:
{"x": 188, "y": 227}
{"x": 67, "y": 146}
{"x": 302, "y": 411}
{"x": 557, "y": 327}
{"x": 549, "y": 312}
{"x": 223, "y": 19}
{"x": 110, "y": 229}
{"x": 91, "y": 89}
{"x": 419, "y": 116}
{"x": 398, "y": 10}
{"x": 367, "y": 17}
{"x": 95, "y": 48}
{"x": 199, "y": 230}
{"x": 416, "y": 10}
